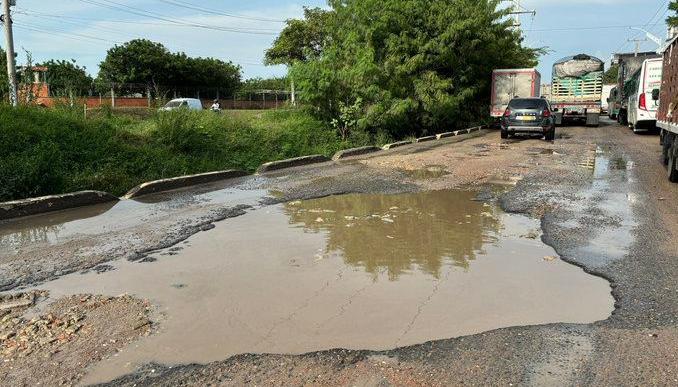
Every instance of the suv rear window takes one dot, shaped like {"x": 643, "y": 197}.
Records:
{"x": 524, "y": 103}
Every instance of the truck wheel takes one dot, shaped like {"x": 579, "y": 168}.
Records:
{"x": 673, "y": 168}
{"x": 504, "y": 134}
{"x": 666, "y": 146}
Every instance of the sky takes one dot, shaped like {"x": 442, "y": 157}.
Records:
{"x": 84, "y": 29}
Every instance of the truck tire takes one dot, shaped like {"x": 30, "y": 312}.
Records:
{"x": 504, "y": 134}
{"x": 666, "y": 146}
{"x": 593, "y": 120}
{"x": 673, "y": 167}
{"x": 550, "y": 135}
{"x": 559, "y": 118}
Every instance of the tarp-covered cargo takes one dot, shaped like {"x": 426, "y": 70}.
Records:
{"x": 577, "y": 66}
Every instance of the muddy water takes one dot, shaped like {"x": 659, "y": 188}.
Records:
{"x": 356, "y": 271}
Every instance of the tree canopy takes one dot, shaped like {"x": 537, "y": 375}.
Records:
{"x": 67, "y": 78}
{"x": 672, "y": 20}
{"x": 611, "y": 75}
{"x": 300, "y": 40}
{"x": 145, "y": 62}
{"x": 414, "y": 66}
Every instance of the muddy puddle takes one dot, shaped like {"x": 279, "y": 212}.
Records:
{"x": 356, "y": 271}
{"x": 60, "y": 226}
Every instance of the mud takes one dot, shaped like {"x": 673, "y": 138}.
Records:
{"x": 355, "y": 271}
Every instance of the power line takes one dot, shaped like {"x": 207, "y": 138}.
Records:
{"x": 216, "y": 12}
{"x": 147, "y": 14}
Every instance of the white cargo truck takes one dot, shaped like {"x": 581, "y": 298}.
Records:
{"x": 513, "y": 83}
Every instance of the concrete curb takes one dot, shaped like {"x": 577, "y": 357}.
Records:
{"x": 290, "y": 163}
{"x": 26, "y": 207}
{"x": 181, "y": 182}
{"x": 426, "y": 139}
{"x": 446, "y": 135}
{"x": 355, "y": 152}
{"x": 396, "y": 145}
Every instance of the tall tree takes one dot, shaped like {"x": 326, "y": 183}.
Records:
{"x": 67, "y": 78}
{"x": 301, "y": 40}
{"x": 611, "y": 75}
{"x": 138, "y": 61}
{"x": 416, "y": 66}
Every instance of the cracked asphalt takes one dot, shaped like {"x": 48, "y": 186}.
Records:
{"x": 603, "y": 200}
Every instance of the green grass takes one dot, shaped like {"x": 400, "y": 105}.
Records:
{"x": 52, "y": 151}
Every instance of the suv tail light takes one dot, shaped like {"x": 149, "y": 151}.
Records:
{"x": 507, "y": 113}
{"x": 546, "y": 113}
{"x": 642, "y": 102}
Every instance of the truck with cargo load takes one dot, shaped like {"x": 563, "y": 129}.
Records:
{"x": 508, "y": 84}
{"x": 628, "y": 64}
{"x": 667, "y": 114}
{"x": 577, "y": 89}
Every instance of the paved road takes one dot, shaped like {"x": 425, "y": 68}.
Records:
{"x": 604, "y": 203}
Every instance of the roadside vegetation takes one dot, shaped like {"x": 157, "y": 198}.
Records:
{"x": 51, "y": 151}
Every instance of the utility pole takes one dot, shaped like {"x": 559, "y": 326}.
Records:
{"x": 11, "y": 64}
{"x": 637, "y": 42}
{"x": 517, "y": 10}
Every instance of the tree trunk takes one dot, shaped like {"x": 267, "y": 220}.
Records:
{"x": 293, "y": 96}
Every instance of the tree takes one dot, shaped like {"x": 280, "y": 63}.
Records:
{"x": 151, "y": 64}
{"x": 611, "y": 75}
{"x": 67, "y": 78}
{"x": 418, "y": 66}
{"x": 300, "y": 40}
{"x": 4, "y": 80}
{"x": 672, "y": 20}
{"x": 138, "y": 61}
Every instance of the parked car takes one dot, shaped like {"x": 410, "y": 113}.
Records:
{"x": 528, "y": 115}
{"x": 182, "y": 103}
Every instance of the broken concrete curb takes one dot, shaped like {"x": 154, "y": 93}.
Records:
{"x": 426, "y": 139}
{"x": 355, "y": 152}
{"x": 181, "y": 182}
{"x": 34, "y": 206}
{"x": 446, "y": 135}
{"x": 396, "y": 145}
{"x": 290, "y": 163}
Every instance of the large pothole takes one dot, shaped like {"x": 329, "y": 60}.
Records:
{"x": 355, "y": 271}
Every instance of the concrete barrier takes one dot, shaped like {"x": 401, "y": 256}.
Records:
{"x": 290, "y": 163}
{"x": 426, "y": 139}
{"x": 355, "y": 152}
{"x": 396, "y": 145}
{"x": 34, "y": 206}
{"x": 181, "y": 182}
{"x": 445, "y": 135}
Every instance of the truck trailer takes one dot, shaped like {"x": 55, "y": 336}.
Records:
{"x": 512, "y": 83}
{"x": 667, "y": 115}
{"x": 577, "y": 89}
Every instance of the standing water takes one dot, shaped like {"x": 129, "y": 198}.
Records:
{"x": 355, "y": 271}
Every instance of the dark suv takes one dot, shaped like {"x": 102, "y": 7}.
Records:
{"x": 528, "y": 115}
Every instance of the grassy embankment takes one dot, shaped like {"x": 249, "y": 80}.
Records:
{"x": 44, "y": 152}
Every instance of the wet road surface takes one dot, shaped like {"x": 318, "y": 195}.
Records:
{"x": 415, "y": 249}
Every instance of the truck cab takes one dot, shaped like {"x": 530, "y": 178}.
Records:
{"x": 644, "y": 88}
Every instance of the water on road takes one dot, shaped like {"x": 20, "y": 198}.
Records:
{"x": 356, "y": 271}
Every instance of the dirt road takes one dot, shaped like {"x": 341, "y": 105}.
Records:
{"x": 600, "y": 197}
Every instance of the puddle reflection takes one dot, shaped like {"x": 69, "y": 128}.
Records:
{"x": 401, "y": 233}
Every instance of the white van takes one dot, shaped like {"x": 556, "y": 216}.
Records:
{"x": 182, "y": 103}
{"x": 644, "y": 99}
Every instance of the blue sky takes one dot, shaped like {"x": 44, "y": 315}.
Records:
{"x": 84, "y": 31}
